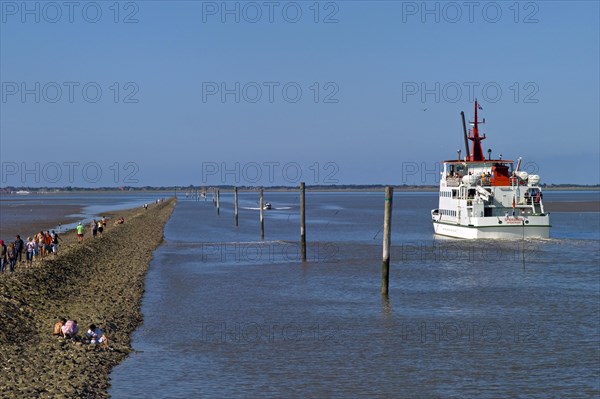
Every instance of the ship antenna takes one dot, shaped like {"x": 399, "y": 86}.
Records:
{"x": 477, "y": 152}
{"x": 462, "y": 115}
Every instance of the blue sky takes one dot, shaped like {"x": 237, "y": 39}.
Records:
{"x": 382, "y": 85}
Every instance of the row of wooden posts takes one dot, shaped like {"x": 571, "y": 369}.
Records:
{"x": 387, "y": 226}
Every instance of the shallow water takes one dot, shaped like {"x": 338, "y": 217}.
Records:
{"x": 226, "y": 315}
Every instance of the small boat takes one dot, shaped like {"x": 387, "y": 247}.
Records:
{"x": 267, "y": 206}
{"x": 488, "y": 198}
{"x": 22, "y": 192}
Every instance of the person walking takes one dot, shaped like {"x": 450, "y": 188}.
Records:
{"x": 41, "y": 244}
{"x": 79, "y": 232}
{"x": 11, "y": 255}
{"x": 48, "y": 241}
{"x": 94, "y": 228}
{"x": 30, "y": 250}
{"x": 55, "y": 239}
{"x": 100, "y": 228}
{"x": 19, "y": 246}
{"x": 2, "y": 256}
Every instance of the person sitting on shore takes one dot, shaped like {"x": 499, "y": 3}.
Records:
{"x": 58, "y": 327}
{"x": 97, "y": 336}
{"x": 120, "y": 221}
{"x": 70, "y": 329}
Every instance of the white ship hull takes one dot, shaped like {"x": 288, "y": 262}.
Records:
{"x": 492, "y": 231}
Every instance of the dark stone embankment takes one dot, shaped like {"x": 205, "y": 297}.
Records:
{"x": 100, "y": 281}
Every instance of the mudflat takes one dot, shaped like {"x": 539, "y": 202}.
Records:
{"x": 30, "y": 219}
{"x": 99, "y": 281}
{"x": 573, "y": 206}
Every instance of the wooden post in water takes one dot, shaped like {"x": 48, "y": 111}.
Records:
{"x": 219, "y": 201}
{"x": 235, "y": 206}
{"x": 262, "y": 219}
{"x": 387, "y": 233}
{"x": 302, "y": 221}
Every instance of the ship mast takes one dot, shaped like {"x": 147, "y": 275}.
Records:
{"x": 476, "y": 152}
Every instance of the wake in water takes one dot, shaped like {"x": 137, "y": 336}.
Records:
{"x": 281, "y": 208}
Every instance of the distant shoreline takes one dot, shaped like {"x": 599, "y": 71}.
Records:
{"x": 11, "y": 191}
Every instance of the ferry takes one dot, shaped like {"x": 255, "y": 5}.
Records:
{"x": 488, "y": 198}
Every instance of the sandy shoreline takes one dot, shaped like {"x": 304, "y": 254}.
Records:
{"x": 100, "y": 281}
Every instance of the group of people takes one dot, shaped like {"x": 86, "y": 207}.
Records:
{"x": 42, "y": 244}
{"x": 96, "y": 228}
{"x": 69, "y": 329}
{"x": 11, "y": 254}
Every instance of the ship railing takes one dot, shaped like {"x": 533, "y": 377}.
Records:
{"x": 531, "y": 200}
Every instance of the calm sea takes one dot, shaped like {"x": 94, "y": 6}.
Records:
{"x": 229, "y": 316}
